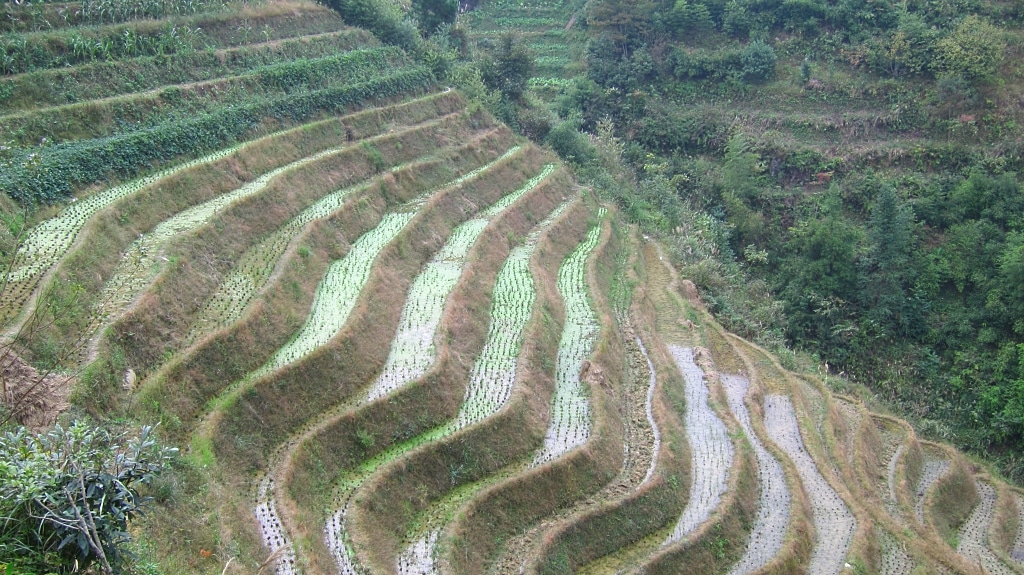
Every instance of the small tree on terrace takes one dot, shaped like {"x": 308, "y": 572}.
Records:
{"x": 972, "y": 51}
{"x": 66, "y": 496}
{"x": 508, "y": 67}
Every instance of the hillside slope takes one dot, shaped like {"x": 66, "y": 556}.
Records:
{"x": 390, "y": 336}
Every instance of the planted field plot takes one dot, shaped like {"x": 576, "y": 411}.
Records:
{"x": 833, "y": 523}
{"x": 774, "y": 501}
{"x": 494, "y": 372}
{"x": 412, "y": 349}
{"x": 711, "y": 447}
{"x": 570, "y": 408}
{"x": 491, "y": 381}
{"x": 118, "y": 115}
{"x": 53, "y": 173}
{"x": 142, "y": 262}
{"x": 933, "y": 469}
{"x": 415, "y": 338}
{"x": 974, "y": 534}
{"x": 46, "y": 243}
{"x": 32, "y": 51}
{"x": 256, "y": 265}
{"x": 452, "y": 255}
{"x": 103, "y": 79}
{"x": 548, "y": 29}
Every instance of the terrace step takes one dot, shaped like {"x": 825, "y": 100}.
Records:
{"x": 711, "y": 448}
{"x": 934, "y": 468}
{"x": 216, "y": 30}
{"x": 104, "y": 117}
{"x": 833, "y": 522}
{"x": 774, "y": 501}
{"x": 99, "y": 80}
{"x": 974, "y": 544}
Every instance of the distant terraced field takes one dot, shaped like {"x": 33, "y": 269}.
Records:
{"x": 392, "y": 337}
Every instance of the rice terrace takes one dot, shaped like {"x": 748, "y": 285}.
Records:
{"x": 360, "y": 287}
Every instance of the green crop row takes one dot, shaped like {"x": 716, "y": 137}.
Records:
{"x": 53, "y": 173}
{"x": 493, "y": 375}
{"x": 141, "y": 263}
{"x": 46, "y": 243}
{"x": 412, "y": 350}
{"x": 29, "y": 16}
{"x": 20, "y": 53}
{"x": 105, "y": 79}
{"x": 570, "y": 411}
{"x": 100, "y": 118}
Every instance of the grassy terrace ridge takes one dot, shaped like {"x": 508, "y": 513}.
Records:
{"x": 113, "y": 231}
{"x": 100, "y": 118}
{"x": 65, "y": 86}
{"x": 36, "y": 51}
{"x": 58, "y": 171}
{"x": 202, "y": 368}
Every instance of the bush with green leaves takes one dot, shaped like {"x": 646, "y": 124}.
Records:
{"x": 67, "y": 495}
{"x": 759, "y": 61}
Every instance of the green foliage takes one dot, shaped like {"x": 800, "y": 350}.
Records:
{"x": 759, "y": 61}
{"x": 385, "y": 19}
{"x": 972, "y": 51}
{"x": 53, "y": 172}
{"x": 67, "y": 496}
{"x": 508, "y": 67}
{"x": 570, "y": 145}
{"x": 433, "y": 14}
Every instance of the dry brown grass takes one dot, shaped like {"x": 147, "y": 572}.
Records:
{"x": 1003, "y": 529}
{"x": 950, "y": 501}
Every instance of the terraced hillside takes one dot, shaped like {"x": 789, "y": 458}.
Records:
{"x": 392, "y": 337}
{"x": 550, "y": 30}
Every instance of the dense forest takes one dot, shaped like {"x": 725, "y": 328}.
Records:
{"x": 840, "y": 177}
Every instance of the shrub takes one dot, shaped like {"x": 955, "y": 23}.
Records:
{"x": 66, "y": 496}
{"x": 759, "y": 61}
